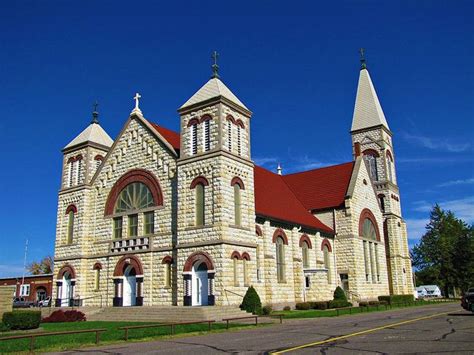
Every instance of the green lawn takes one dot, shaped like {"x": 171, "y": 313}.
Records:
{"x": 314, "y": 313}
{"x": 113, "y": 335}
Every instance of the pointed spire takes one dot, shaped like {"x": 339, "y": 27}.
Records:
{"x": 215, "y": 67}
{"x": 367, "y": 111}
{"x": 363, "y": 64}
{"x": 95, "y": 114}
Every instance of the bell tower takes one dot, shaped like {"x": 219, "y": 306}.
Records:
{"x": 372, "y": 138}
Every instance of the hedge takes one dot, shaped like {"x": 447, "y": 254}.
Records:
{"x": 303, "y": 306}
{"x": 319, "y": 305}
{"x": 339, "y": 304}
{"x": 266, "y": 310}
{"x": 392, "y": 299}
{"x": 22, "y": 319}
{"x": 68, "y": 316}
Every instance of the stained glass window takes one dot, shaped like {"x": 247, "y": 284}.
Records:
{"x": 280, "y": 259}
{"x": 368, "y": 230}
{"x": 134, "y": 196}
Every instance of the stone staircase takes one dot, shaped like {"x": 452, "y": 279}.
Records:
{"x": 159, "y": 313}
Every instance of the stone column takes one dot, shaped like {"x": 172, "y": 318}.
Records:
{"x": 59, "y": 288}
{"x": 211, "y": 300}
{"x": 139, "y": 297}
{"x": 118, "y": 286}
{"x": 187, "y": 301}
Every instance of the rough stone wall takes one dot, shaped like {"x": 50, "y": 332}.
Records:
{"x": 6, "y": 304}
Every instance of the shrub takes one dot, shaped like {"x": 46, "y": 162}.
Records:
{"x": 68, "y": 316}
{"x": 383, "y": 303}
{"x": 287, "y": 308}
{"x": 339, "y": 294}
{"x": 363, "y": 304}
{"x": 303, "y": 306}
{"x": 320, "y": 305}
{"x": 266, "y": 310}
{"x": 251, "y": 302}
{"x": 374, "y": 303}
{"x": 22, "y": 319}
{"x": 396, "y": 299}
{"x": 339, "y": 304}
{"x": 4, "y": 327}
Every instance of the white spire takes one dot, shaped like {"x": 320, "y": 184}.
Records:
{"x": 213, "y": 88}
{"x": 367, "y": 111}
{"x": 279, "y": 169}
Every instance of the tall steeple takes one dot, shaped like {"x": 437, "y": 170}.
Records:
{"x": 368, "y": 112}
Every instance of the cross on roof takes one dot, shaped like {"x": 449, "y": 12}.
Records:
{"x": 215, "y": 67}
{"x": 363, "y": 65}
{"x": 95, "y": 114}
{"x": 137, "y": 97}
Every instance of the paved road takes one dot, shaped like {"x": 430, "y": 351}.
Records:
{"x": 443, "y": 328}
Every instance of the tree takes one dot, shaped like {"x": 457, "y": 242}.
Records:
{"x": 445, "y": 255}
{"x": 45, "y": 266}
{"x": 251, "y": 302}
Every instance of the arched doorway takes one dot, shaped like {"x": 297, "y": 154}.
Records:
{"x": 198, "y": 276}
{"x": 65, "y": 283}
{"x": 66, "y": 293}
{"x": 41, "y": 293}
{"x": 128, "y": 280}
{"x": 129, "y": 286}
{"x": 200, "y": 284}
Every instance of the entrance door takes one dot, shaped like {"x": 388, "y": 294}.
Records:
{"x": 66, "y": 293}
{"x": 129, "y": 287}
{"x": 199, "y": 286}
{"x": 345, "y": 282}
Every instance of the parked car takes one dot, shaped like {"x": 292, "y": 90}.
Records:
{"x": 20, "y": 302}
{"x": 45, "y": 303}
{"x": 431, "y": 290}
{"x": 467, "y": 301}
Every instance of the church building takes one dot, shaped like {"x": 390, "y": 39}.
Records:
{"x": 157, "y": 217}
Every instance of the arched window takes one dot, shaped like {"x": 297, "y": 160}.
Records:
{"x": 133, "y": 197}
{"x": 390, "y": 166}
{"x": 238, "y": 186}
{"x": 305, "y": 254}
{"x": 371, "y": 156}
{"x": 167, "y": 262}
{"x": 239, "y": 140}
{"x": 280, "y": 259}
{"x": 194, "y": 136}
{"x": 98, "y": 160}
{"x": 327, "y": 261}
{"x": 97, "y": 267}
{"x": 230, "y": 122}
{"x": 199, "y": 184}
{"x": 207, "y": 135}
{"x": 71, "y": 214}
{"x": 70, "y": 172}
{"x": 235, "y": 264}
{"x": 368, "y": 230}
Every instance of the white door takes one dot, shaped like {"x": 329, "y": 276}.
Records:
{"x": 199, "y": 288}
{"x": 66, "y": 291}
{"x": 129, "y": 291}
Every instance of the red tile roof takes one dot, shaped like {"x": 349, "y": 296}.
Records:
{"x": 275, "y": 200}
{"x": 321, "y": 188}
{"x": 273, "y": 196}
{"x": 171, "y": 137}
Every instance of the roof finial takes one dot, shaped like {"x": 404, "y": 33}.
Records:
{"x": 95, "y": 114}
{"x": 363, "y": 65}
{"x": 279, "y": 169}
{"x": 137, "y": 97}
{"x": 215, "y": 67}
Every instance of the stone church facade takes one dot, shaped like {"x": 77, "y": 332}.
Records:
{"x": 156, "y": 217}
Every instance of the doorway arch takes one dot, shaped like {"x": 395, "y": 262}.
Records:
{"x": 128, "y": 281}
{"x": 65, "y": 284}
{"x": 198, "y": 276}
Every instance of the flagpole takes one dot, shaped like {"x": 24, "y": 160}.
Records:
{"x": 24, "y": 262}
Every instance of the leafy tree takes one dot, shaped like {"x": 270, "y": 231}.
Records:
{"x": 45, "y": 266}
{"x": 445, "y": 255}
{"x": 339, "y": 294}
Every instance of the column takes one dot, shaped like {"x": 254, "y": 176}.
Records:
{"x": 187, "y": 300}
{"x": 118, "y": 286}
{"x": 139, "y": 299}
{"x": 211, "y": 300}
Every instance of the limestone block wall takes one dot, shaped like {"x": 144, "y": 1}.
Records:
{"x": 6, "y": 293}
{"x": 244, "y": 133}
{"x": 80, "y": 173}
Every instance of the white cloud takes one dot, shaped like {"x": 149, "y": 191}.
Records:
{"x": 265, "y": 161}
{"x": 457, "y": 182}
{"x": 441, "y": 144}
{"x": 11, "y": 270}
{"x": 416, "y": 228}
{"x": 462, "y": 208}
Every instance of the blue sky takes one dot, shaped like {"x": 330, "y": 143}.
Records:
{"x": 295, "y": 66}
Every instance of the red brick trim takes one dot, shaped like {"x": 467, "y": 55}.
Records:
{"x": 167, "y": 260}
{"x": 236, "y": 255}
{"x": 193, "y": 121}
{"x": 99, "y": 157}
{"x": 231, "y": 119}
{"x": 79, "y": 157}
{"x": 327, "y": 243}
{"x": 71, "y": 160}
{"x": 205, "y": 118}
{"x": 240, "y": 123}
{"x": 389, "y": 155}
{"x": 366, "y": 213}
{"x": 70, "y": 208}
{"x": 199, "y": 180}
{"x": 258, "y": 231}
{"x": 97, "y": 266}
{"x": 238, "y": 181}
{"x": 66, "y": 268}
{"x": 136, "y": 175}
{"x": 357, "y": 149}
{"x": 199, "y": 256}
{"x": 125, "y": 261}
{"x": 280, "y": 233}
{"x": 371, "y": 152}
{"x": 245, "y": 256}
{"x": 305, "y": 238}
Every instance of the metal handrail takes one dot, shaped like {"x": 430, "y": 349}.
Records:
{"x": 237, "y": 294}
